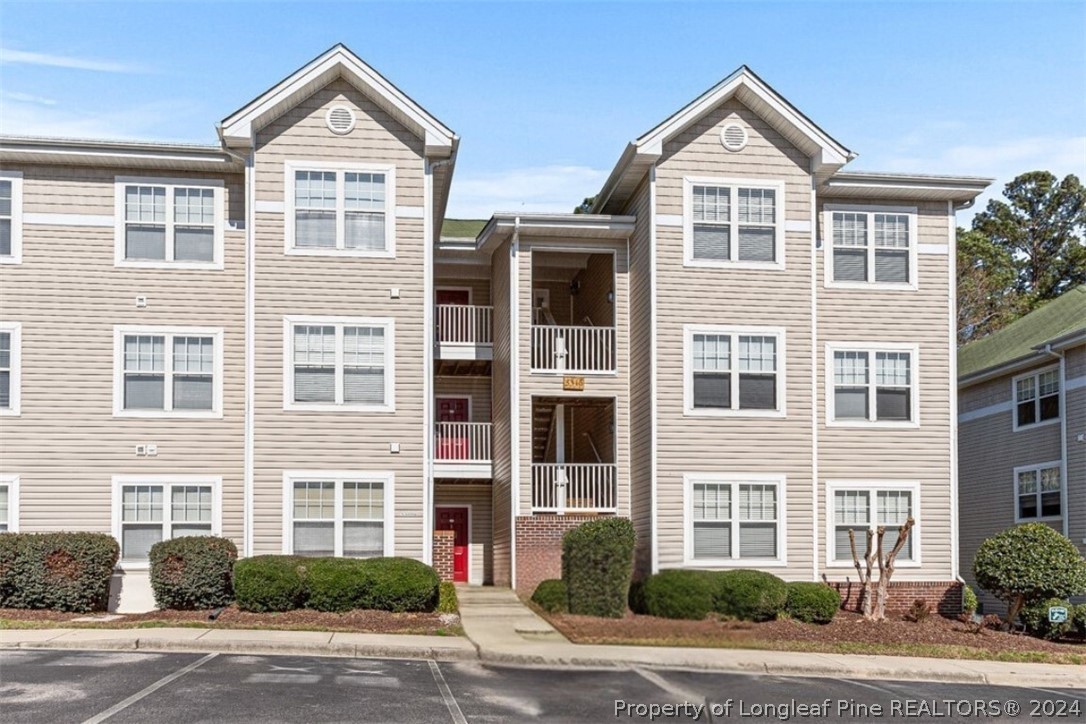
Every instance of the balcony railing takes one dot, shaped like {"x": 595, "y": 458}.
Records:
{"x": 464, "y": 324}
{"x": 563, "y": 487}
{"x": 462, "y": 442}
{"x": 573, "y": 349}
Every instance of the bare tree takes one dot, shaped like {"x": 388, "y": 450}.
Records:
{"x": 875, "y": 591}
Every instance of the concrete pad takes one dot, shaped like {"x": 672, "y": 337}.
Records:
{"x": 246, "y": 635}
{"x": 96, "y": 635}
{"x": 22, "y": 636}
{"x": 170, "y": 634}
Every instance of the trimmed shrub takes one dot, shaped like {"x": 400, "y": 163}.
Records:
{"x": 271, "y": 583}
{"x": 399, "y": 585}
{"x": 1035, "y": 617}
{"x": 812, "y": 602}
{"x": 1079, "y": 618}
{"x": 193, "y": 572}
{"x": 969, "y": 600}
{"x": 59, "y": 571}
{"x": 679, "y": 593}
{"x": 551, "y": 595}
{"x": 597, "y": 563}
{"x": 749, "y": 595}
{"x": 337, "y": 584}
{"x": 447, "y": 600}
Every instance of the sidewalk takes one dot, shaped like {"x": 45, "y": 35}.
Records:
{"x": 500, "y": 629}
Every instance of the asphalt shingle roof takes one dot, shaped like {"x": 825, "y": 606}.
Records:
{"x": 462, "y": 228}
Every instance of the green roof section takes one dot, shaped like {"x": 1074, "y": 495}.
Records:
{"x": 1061, "y": 316}
{"x": 462, "y": 228}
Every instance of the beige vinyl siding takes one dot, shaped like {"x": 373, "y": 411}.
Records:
{"x": 67, "y": 445}
{"x": 734, "y": 297}
{"x": 477, "y": 388}
{"x": 332, "y": 285}
{"x": 480, "y": 288}
{"x": 504, "y": 417}
{"x": 478, "y": 497}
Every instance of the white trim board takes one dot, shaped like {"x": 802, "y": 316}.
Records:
{"x": 62, "y": 219}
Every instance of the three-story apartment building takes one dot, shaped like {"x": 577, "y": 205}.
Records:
{"x": 745, "y": 349}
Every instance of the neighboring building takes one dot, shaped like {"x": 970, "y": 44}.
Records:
{"x": 745, "y": 349}
{"x": 1022, "y": 428}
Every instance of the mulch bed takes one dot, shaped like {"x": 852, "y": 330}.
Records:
{"x": 231, "y": 617}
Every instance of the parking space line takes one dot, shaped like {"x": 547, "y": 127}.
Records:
{"x": 680, "y": 693}
{"x": 121, "y": 706}
{"x": 446, "y": 694}
{"x": 1070, "y": 693}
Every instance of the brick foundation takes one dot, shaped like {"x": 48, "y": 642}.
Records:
{"x": 539, "y": 547}
{"x": 443, "y": 553}
{"x": 945, "y": 597}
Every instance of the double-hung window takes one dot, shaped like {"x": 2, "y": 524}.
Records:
{"x": 1036, "y": 398}
{"x": 346, "y": 210}
{"x": 873, "y": 385}
{"x": 1039, "y": 492}
{"x": 733, "y": 221}
{"x": 176, "y": 371}
{"x": 733, "y": 519}
{"x": 11, "y": 217}
{"x": 149, "y": 510}
{"x": 871, "y": 245}
{"x": 338, "y": 514}
{"x": 734, "y": 371}
{"x": 338, "y": 361}
{"x": 9, "y": 503}
{"x": 10, "y": 367}
{"x": 171, "y": 222}
{"x": 860, "y": 507}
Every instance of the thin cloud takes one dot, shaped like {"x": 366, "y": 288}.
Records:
{"x": 531, "y": 190}
{"x": 26, "y": 98}
{"x": 23, "y": 57}
{"x": 143, "y": 122}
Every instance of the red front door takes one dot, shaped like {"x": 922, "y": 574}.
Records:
{"x": 452, "y": 443}
{"x": 453, "y": 296}
{"x": 456, "y": 520}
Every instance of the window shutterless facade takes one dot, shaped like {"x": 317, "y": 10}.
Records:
{"x": 172, "y": 371}
{"x": 339, "y": 362}
{"x": 9, "y": 503}
{"x": 1038, "y": 492}
{"x": 340, "y": 209}
{"x": 11, "y": 344}
{"x": 872, "y": 384}
{"x": 149, "y": 509}
{"x": 863, "y": 506}
{"x": 733, "y": 371}
{"x": 11, "y": 217}
{"x": 338, "y": 513}
{"x": 169, "y": 223}
{"x": 1036, "y": 398}
{"x": 870, "y": 245}
{"x": 733, "y": 222}
{"x": 734, "y": 520}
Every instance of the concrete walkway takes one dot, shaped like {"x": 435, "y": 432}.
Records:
{"x": 501, "y": 629}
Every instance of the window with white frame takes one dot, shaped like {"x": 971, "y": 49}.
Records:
{"x": 339, "y": 515}
{"x": 730, "y": 371}
{"x": 156, "y": 510}
{"x": 10, "y": 367}
{"x": 349, "y": 210}
{"x": 873, "y": 385}
{"x": 178, "y": 371}
{"x": 733, "y": 222}
{"x": 1039, "y": 492}
{"x": 859, "y": 508}
{"x": 875, "y": 246}
{"x": 1036, "y": 398}
{"x": 733, "y": 520}
{"x": 11, "y": 217}
{"x": 174, "y": 221}
{"x": 339, "y": 363}
{"x": 9, "y": 504}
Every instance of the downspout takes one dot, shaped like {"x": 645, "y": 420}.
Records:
{"x": 1063, "y": 436}
{"x": 815, "y": 356}
{"x": 952, "y": 323}
{"x": 514, "y": 395}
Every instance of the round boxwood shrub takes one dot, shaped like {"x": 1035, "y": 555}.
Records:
{"x": 597, "y": 564}
{"x": 1035, "y": 617}
{"x": 679, "y": 594}
{"x": 59, "y": 571}
{"x": 551, "y": 595}
{"x": 1027, "y": 564}
{"x": 399, "y": 585}
{"x": 337, "y": 584}
{"x": 270, "y": 583}
{"x": 193, "y": 572}
{"x": 750, "y": 595}
{"x": 812, "y": 602}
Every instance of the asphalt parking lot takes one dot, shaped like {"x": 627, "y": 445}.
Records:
{"x": 58, "y": 686}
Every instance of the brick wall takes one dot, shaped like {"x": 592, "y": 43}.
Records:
{"x": 539, "y": 547}
{"x": 443, "y": 553}
{"x": 943, "y": 596}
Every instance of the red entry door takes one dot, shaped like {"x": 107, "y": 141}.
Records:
{"x": 456, "y": 520}
{"x": 453, "y": 444}
{"x": 453, "y": 296}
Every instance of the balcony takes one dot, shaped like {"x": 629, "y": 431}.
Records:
{"x": 462, "y": 450}
{"x": 573, "y": 350}
{"x": 573, "y": 488}
{"x": 464, "y": 334}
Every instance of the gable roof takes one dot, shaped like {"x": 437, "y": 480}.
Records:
{"x": 1020, "y": 343}
{"x": 462, "y": 228}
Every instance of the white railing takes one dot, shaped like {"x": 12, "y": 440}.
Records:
{"x": 573, "y": 349}
{"x": 562, "y": 487}
{"x": 467, "y": 442}
{"x": 464, "y": 324}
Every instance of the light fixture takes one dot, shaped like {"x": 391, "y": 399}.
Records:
{"x": 611, "y": 297}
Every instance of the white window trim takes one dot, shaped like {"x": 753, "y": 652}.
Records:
{"x": 388, "y": 478}
{"x": 689, "y": 330}
{"x": 119, "y": 332}
{"x": 389, "y": 326}
{"x": 827, "y": 246}
{"x": 12, "y": 481}
{"x": 778, "y": 479}
{"x": 1015, "y": 427}
{"x": 15, "y": 329}
{"x": 689, "y": 182}
{"x": 16, "y": 178}
{"x": 1038, "y": 467}
{"x": 119, "y": 481}
{"x": 871, "y": 348}
{"x": 219, "y": 202}
{"x": 290, "y": 166}
{"x": 872, "y": 486}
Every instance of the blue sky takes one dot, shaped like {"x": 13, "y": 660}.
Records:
{"x": 546, "y": 95}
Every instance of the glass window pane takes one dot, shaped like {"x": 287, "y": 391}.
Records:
{"x": 1027, "y": 506}
{"x": 757, "y": 244}
{"x": 194, "y": 244}
{"x": 5, "y": 350}
{"x": 757, "y": 354}
{"x": 711, "y": 203}
{"x": 849, "y": 229}
{"x": 892, "y": 404}
{"x": 842, "y": 548}
{"x": 194, "y": 354}
{"x": 851, "y": 507}
{"x": 712, "y": 389}
{"x": 757, "y": 540}
{"x": 193, "y": 392}
{"x": 315, "y": 500}
{"x": 5, "y": 198}
{"x": 850, "y": 368}
{"x": 1027, "y": 481}
{"x": 144, "y": 392}
{"x": 363, "y": 539}
{"x": 712, "y": 242}
{"x": 315, "y": 189}
{"x": 5, "y": 237}
{"x": 314, "y": 539}
{"x": 364, "y": 191}
{"x": 190, "y": 504}
{"x": 712, "y": 539}
{"x": 849, "y": 265}
{"x": 1051, "y": 505}
{"x": 892, "y": 266}
{"x": 1027, "y": 412}
{"x": 194, "y": 206}
{"x": 145, "y": 204}
{"x": 757, "y": 392}
{"x": 892, "y": 230}
{"x": 364, "y": 230}
{"x": 137, "y": 539}
{"x": 1050, "y": 479}
{"x": 315, "y": 229}
{"x": 142, "y": 241}
{"x": 141, "y": 503}
{"x": 850, "y": 403}
{"x": 757, "y": 206}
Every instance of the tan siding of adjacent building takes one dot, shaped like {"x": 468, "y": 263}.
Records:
{"x": 504, "y": 418}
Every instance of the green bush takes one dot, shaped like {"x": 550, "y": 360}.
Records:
{"x": 551, "y": 595}
{"x": 447, "y": 600}
{"x": 1035, "y": 617}
{"x": 1079, "y": 618}
{"x": 1027, "y": 564}
{"x": 969, "y": 600}
{"x": 636, "y": 597}
{"x": 193, "y": 572}
{"x": 59, "y": 571}
{"x": 749, "y": 595}
{"x": 597, "y": 563}
{"x": 337, "y": 584}
{"x": 679, "y": 593}
{"x": 271, "y": 583}
{"x": 812, "y": 602}
{"x": 383, "y": 584}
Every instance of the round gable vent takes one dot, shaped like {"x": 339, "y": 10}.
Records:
{"x": 340, "y": 120}
{"x": 733, "y": 137}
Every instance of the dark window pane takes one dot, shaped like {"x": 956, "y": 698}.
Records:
{"x": 194, "y": 244}
{"x": 1050, "y": 504}
{"x": 145, "y": 242}
{"x": 757, "y": 244}
{"x": 1050, "y": 407}
{"x": 144, "y": 392}
{"x": 757, "y": 540}
{"x": 711, "y": 242}
{"x": 5, "y": 389}
{"x": 757, "y": 392}
{"x": 1027, "y": 506}
{"x": 891, "y": 266}
{"x": 850, "y": 265}
{"x": 712, "y": 389}
{"x": 850, "y": 403}
{"x": 5, "y": 237}
{"x": 314, "y": 384}
{"x": 712, "y": 539}
{"x": 1027, "y": 413}
{"x": 192, "y": 392}
{"x": 891, "y": 404}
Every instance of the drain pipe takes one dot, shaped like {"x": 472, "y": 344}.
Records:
{"x": 1047, "y": 349}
